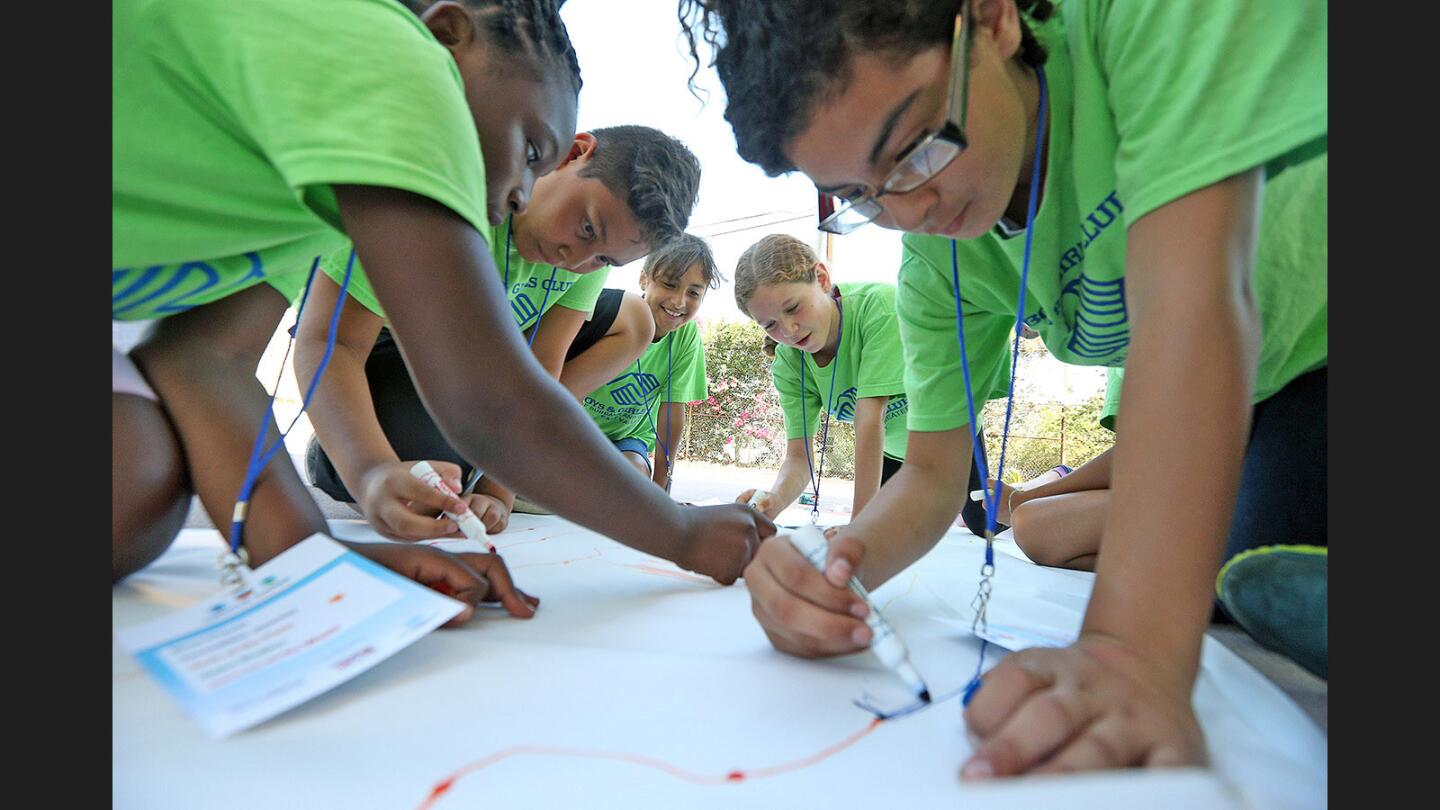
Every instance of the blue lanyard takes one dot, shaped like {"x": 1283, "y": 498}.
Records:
{"x": 829, "y": 403}
{"x": 992, "y": 497}
{"x": 548, "y": 285}
{"x": 645, "y": 396}
{"x": 260, "y": 454}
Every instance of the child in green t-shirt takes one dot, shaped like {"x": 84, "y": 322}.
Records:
{"x": 602, "y": 206}
{"x": 297, "y": 128}
{"x": 839, "y": 355}
{"x": 642, "y": 410}
{"x": 1160, "y": 169}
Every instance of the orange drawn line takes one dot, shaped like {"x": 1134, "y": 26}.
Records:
{"x": 732, "y": 777}
{"x": 900, "y": 596}
{"x": 664, "y": 572}
{"x": 557, "y": 562}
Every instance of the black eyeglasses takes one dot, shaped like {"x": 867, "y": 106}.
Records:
{"x": 841, "y": 214}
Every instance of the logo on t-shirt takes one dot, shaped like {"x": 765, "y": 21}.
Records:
{"x": 897, "y": 406}
{"x": 523, "y": 308}
{"x": 1100, "y": 320}
{"x": 845, "y": 405}
{"x": 1101, "y": 330}
{"x": 633, "y": 388}
{"x": 167, "y": 289}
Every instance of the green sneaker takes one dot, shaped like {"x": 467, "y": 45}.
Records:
{"x": 1280, "y": 595}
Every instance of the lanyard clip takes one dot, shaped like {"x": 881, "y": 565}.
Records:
{"x": 232, "y": 565}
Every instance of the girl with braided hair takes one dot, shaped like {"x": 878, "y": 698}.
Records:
{"x": 1144, "y": 185}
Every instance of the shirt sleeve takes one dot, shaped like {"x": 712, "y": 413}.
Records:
{"x": 881, "y": 369}
{"x": 583, "y": 294}
{"x": 1203, "y": 91}
{"x": 1114, "y": 377}
{"x": 333, "y": 265}
{"x": 390, "y": 114}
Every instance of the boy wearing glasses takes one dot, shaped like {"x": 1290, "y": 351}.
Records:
{"x": 1180, "y": 231}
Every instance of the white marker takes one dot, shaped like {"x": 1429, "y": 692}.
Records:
{"x": 884, "y": 643}
{"x": 755, "y": 499}
{"x": 470, "y": 526}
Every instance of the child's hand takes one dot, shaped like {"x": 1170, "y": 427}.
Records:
{"x": 802, "y": 611}
{"x": 402, "y": 507}
{"x": 720, "y": 540}
{"x": 1002, "y": 511}
{"x": 762, "y": 505}
{"x": 1094, "y": 704}
{"x": 469, "y": 577}
{"x": 492, "y": 512}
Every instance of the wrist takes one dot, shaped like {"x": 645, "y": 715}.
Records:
{"x": 1167, "y": 665}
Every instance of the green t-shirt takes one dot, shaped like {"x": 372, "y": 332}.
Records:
{"x": 869, "y": 363}
{"x": 1148, "y": 102}
{"x": 527, "y": 288}
{"x": 1113, "y": 379}
{"x": 231, "y": 121}
{"x": 671, "y": 370}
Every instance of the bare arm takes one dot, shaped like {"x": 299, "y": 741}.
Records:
{"x": 1123, "y": 690}
{"x": 793, "y": 477}
{"x": 202, "y": 364}
{"x": 1195, "y": 346}
{"x": 554, "y": 334}
{"x": 670, "y": 422}
{"x": 431, "y": 270}
{"x": 1092, "y": 475}
{"x": 869, "y": 449}
{"x": 556, "y": 331}
{"x": 626, "y": 340}
{"x": 915, "y": 508}
{"x": 342, "y": 412}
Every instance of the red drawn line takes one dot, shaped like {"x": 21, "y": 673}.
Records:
{"x": 557, "y": 562}
{"x": 665, "y": 572}
{"x": 731, "y": 777}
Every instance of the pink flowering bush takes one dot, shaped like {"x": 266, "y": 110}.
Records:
{"x": 740, "y": 422}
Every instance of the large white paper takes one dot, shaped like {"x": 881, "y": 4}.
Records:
{"x": 641, "y": 685}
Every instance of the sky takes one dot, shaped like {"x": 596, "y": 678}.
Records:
{"x": 635, "y": 66}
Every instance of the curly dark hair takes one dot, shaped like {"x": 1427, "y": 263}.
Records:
{"x": 655, "y": 174}
{"x": 528, "y": 28}
{"x": 778, "y": 58}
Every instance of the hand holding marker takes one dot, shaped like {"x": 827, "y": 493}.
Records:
{"x": 470, "y": 526}
{"x": 887, "y": 646}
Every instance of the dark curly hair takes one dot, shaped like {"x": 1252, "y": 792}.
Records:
{"x": 527, "y": 28}
{"x": 778, "y": 58}
{"x": 655, "y": 174}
